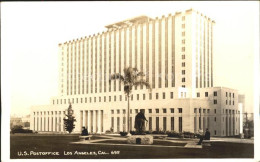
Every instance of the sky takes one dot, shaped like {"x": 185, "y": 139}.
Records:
{"x": 31, "y": 32}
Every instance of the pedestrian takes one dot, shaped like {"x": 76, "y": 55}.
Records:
{"x": 207, "y": 134}
{"x": 200, "y": 132}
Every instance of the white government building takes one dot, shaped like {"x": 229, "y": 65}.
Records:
{"x": 176, "y": 54}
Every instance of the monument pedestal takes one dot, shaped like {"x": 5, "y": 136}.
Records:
{"x": 140, "y": 139}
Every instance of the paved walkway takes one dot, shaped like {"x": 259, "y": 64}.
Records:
{"x": 190, "y": 143}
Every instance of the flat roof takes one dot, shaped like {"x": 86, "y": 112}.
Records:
{"x": 127, "y": 22}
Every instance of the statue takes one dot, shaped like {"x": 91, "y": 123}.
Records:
{"x": 140, "y": 123}
{"x": 84, "y": 131}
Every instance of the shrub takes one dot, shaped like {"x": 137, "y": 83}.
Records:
{"x": 188, "y": 134}
{"x": 175, "y": 134}
{"x": 123, "y": 133}
{"x": 107, "y": 132}
{"x": 158, "y": 132}
{"x": 132, "y": 132}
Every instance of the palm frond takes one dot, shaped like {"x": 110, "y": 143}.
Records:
{"x": 117, "y": 76}
{"x": 144, "y": 83}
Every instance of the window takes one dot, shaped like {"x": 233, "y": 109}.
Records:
{"x": 81, "y": 100}
{"x": 226, "y": 94}
{"x": 112, "y": 111}
{"x": 206, "y": 94}
{"x": 143, "y": 96}
{"x": 114, "y": 98}
{"x": 229, "y": 94}
{"x": 183, "y": 57}
{"x": 183, "y": 80}
{"x": 150, "y": 110}
{"x": 199, "y": 110}
{"x": 120, "y": 97}
{"x": 163, "y": 95}
{"x": 171, "y": 94}
{"x": 109, "y": 98}
{"x": 137, "y": 97}
{"x": 215, "y": 119}
{"x": 195, "y": 110}
{"x": 208, "y": 111}
{"x": 183, "y": 49}
{"x": 77, "y": 100}
{"x": 215, "y": 132}
{"x": 172, "y": 110}
{"x": 183, "y": 86}
{"x": 198, "y": 94}
{"x": 215, "y": 102}
{"x": 226, "y": 102}
{"x": 132, "y": 97}
{"x": 204, "y": 111}
{"x": 104, "y": 98}
{"x": 233, "y": 103}
{"x": 183, "y": 72}
{"x": 150, "y": 96}
{"x": 229, "y": 102}
{"x": 233, "y": 95}
{"x": 130, "y": 111}
{"x": 215, "y": 111}
{"x": 94, "y": 99}
{"x": 99, "y": 99}
{"x": 164, "y": 111}
{"x": 124, "y": 111}
{"x": 182, "y": 26}
{"x": 73, "y": 100}
{"x": 215, "y": 93}
{"x": 136, "y": 111}
{"x": 157, "y": 111}
{"x": 183, "y": 41}
{"x": 118, "y": 111}
{"x": 89, "y": 99}
{"x": 183, "y": 64}
{"x": 53, "y": 102}
{"x": 180, "y": 110}
{"x": 86, "y": 99}
{"x": 157, "y": 96}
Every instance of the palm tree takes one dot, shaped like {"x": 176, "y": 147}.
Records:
{"x": 130, "y": 78}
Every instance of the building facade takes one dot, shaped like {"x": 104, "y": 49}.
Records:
{"x": 176, "y": 54}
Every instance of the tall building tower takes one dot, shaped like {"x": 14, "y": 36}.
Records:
{"x": 176, "y": 54}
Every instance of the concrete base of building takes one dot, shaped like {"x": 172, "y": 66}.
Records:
{"x": 83, "y": 138}
{"x": 140, "y": 139}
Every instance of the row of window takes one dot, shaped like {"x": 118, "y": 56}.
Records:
{"x": 230, "y": 95}
{"x": 164, "y": 110}
{"x": 215, "y": 93}
{"x": 49, "y": 112}
{"x": 138, "y": 97}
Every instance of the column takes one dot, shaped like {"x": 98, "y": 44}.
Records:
{"x": 89, "y": 126}
{"x": 62, "y": 121}
{"x": 121, "y": 128}
{"x": 99, "y": 122}
{"x": 86, "y": 119}
{"x": 45, "y": 121}
{"x": 83, "y": 124}
{"x": 53, "y": 121}
{"x": 94, "y": 121}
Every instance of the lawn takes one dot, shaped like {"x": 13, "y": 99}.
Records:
{"x": 32, "y": 144}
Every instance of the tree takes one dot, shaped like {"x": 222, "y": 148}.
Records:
{"x": 69, "y": 122}
{"x": 130, "y": 79}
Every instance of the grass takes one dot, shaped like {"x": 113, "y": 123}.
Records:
{"x": 61, "y": 143}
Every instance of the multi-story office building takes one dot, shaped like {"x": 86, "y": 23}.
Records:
{"x": 176, "y": 54}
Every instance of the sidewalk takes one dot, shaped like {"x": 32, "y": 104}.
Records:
{"x": 233, "y": 140}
